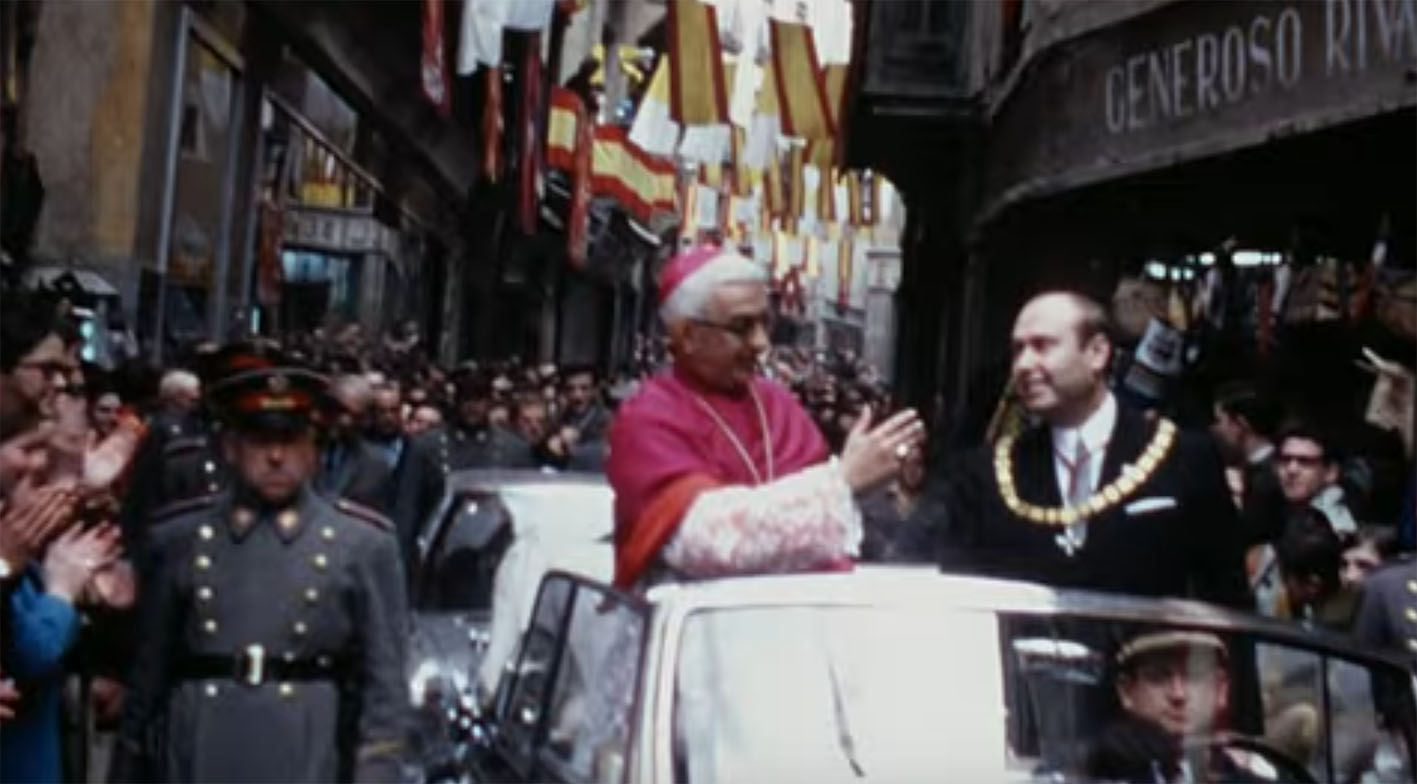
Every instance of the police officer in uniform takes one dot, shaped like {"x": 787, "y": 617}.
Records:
{"x": 272, "y": 619}
{"x": 181, "y": 457}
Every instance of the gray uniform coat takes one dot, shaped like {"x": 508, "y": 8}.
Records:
{"x": 1387, "y": 616}
{"x": 319, "y": 582}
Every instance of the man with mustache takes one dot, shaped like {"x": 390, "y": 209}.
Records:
{"x": 272, "y": 619}
{"x": 1096, "y": 495}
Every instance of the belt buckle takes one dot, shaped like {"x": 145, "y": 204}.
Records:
{"x": 251, "y": 665}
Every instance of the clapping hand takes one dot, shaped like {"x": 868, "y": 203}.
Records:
{"x": 9, "y": 698}
{"x": 874, "y": 455}
{"x": 31, "y": 519}
{"x": 76, "y": 556}
{"x": 115, "y": 586}
{"x": 24, "y": 455}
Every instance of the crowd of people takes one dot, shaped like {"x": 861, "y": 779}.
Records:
{"x": 112, "y": 482}
{"x": 92, "y": 456}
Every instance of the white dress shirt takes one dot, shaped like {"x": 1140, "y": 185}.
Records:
{"x": 1094, "y": 432}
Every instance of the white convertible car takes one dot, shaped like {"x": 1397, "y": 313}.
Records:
{"x": 894, "y": 674}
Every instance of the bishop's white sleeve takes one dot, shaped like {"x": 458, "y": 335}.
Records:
{"x": 799, "y": 522}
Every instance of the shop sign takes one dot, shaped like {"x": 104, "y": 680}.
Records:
{"x": 339, "y": 231}
{"x": 1198, "y": 78}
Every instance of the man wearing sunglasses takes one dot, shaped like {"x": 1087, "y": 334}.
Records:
{"x": 718, "y": 471}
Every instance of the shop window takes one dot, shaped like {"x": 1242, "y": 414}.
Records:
{"x": 197, "y": 288}
{"x": 192, "y": 141}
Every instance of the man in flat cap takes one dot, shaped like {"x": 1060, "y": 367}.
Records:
{"x": 1174, "y": 689}
{"x": 272, "y": 619}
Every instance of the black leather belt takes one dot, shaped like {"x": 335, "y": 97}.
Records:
{"x": 253, "y": 666}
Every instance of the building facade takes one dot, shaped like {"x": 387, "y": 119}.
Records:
{"x": 1091, "y": 137}
{"x": 234, "y": 167}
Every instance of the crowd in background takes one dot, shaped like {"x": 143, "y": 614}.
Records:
{"x": 90, "y": 453}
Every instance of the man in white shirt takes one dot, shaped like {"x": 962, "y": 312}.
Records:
{"x": 1098, "y": 496}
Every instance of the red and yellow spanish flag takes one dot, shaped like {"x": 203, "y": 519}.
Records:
{"x": 826, "y": 195}
{"x": 620, "y": 169}
{"x": 801, "y": 90}
{"x": 845, "y": 253}
{"x": 782, "y": 261}
{"x": 863, "y": 190}
{"x": 772, "y": 187}
{"x": 797, "y": 184}
{"x": 697, "y": 92}
{"x": 822, "y": 152}
{"x": 563, "y": 128}
{"x": 742, "y": 174}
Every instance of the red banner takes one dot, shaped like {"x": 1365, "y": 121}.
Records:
{"x": 434, "y": 66}
{"x": 268, "y": 261}
{"x": 529, "y": 168}
{"x": 492, "y": 124}
{"x": 578, "y": 216}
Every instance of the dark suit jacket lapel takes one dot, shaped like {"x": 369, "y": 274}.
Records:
{"x": 339, "y": 480}
{"x": 1035, "y": 478}
{"x": 1129, "y": 437}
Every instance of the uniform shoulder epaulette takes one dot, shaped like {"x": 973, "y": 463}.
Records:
{"x": 364, "y": 513}
{"x": 176, "y": 508}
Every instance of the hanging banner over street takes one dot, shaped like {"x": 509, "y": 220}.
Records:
{"x": 578, "y": 218}
{"x": 801, "y": 91}
{"x": 697, "y": 93}
{"x": 434, "y": 66}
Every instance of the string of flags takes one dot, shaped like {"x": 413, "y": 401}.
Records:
{"x": 737, "y": 134}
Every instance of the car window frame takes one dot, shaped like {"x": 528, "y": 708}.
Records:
{"x": 535, "y": 764}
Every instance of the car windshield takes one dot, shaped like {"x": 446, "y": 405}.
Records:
{"x": 824, "y": 693}
{"x": 458, "y": 572}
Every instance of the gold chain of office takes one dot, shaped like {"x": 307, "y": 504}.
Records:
{"x": 1132, "y": 478}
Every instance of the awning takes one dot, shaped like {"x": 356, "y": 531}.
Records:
{"x": 62, "y": 279}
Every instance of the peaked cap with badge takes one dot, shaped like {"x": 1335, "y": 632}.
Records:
{"x": 273, "y": 399}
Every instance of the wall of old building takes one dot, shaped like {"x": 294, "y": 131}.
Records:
{"x": 85, "y": 125}
{"x": 1043, "y": 23}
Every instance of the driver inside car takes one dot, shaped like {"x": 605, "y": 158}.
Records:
{"x": 1174, "y": 690}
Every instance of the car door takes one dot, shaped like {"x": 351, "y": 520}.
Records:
{"x": 565, "y": 711}
{"x": 1082, "y": 694}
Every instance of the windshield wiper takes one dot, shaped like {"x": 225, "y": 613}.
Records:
{"x": 844, "y": 738}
